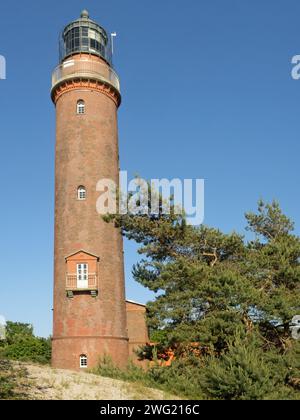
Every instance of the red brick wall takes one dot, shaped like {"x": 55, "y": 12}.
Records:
{"x": 81, "y": 257}
{"x": 137, "y": 328}
{"x": 86, "y": 151}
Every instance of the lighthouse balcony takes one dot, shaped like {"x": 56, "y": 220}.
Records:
{"x": 74, "y": 283}
{"x": 84, "y": 68}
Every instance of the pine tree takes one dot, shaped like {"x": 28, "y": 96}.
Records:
{"x": 210, "y": 285}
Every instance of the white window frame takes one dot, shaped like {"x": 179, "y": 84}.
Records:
{"x": 80, "y": 107}
{"x": 81, "y": 193}
{"x": 83, "y": 361}
{"x": 82, "y": 273}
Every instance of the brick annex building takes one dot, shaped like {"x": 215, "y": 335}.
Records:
{"x": 91, "y": 315}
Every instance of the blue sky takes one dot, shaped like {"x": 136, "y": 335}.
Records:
{"x": 207, "y": 93}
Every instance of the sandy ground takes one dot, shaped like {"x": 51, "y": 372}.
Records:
{"x": 43, "y": 382}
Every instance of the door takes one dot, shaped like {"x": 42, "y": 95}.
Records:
{"x": 82, "y": 276}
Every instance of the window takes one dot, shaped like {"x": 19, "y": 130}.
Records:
{"x": 82, "y": 272}
{"x": 81, "y": 193}
{"x": 83, "y": 361}
{"x": 82, "y": 276}
{"x": 85, "y": 31}
{"x": 80, "y": 107}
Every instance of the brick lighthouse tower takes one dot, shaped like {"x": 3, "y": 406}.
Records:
{"x": 89, "y": 296}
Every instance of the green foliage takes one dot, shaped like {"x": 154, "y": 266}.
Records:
{"x": 17, "y": 330}
{"x": 11, "y": 381}
{"x": 246, "y": 372}
{"x": 243, "y": 372}
{"x": 180, "y": 379}
{"x": 158, "y": 336}
{"x": 21, "y": 344}
{"x": 131, "y": 373}
{"x": 210, "y": 285}
{"x": 208, "y": 281}
{"x": 269, "y": 221}
{"x": 6, "y": 381}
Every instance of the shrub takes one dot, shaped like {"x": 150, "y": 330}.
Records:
{"x": 6, "y": 381}
{"x": 246, "y": 372}
{"x": 180, "y": 378}
{"x": 12, "y": 380}
{"x": 21, "y": 344}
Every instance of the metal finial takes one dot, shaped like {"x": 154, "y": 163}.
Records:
{"x": 84, "y": 14}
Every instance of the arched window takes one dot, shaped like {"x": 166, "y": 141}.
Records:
{"x": 81, "y": 193}
{"x": 83, "y": 361}
{"x": 80, "y": 107}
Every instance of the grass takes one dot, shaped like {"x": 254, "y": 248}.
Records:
{"x": 18, "y": 382}
{"x": 166, "y": 379}
{"x": 14, "y": 383}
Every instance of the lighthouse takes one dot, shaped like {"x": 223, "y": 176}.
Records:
{"x": 89, "y": 313}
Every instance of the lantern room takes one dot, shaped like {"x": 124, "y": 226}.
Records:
{"x": 85, "y": 36}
